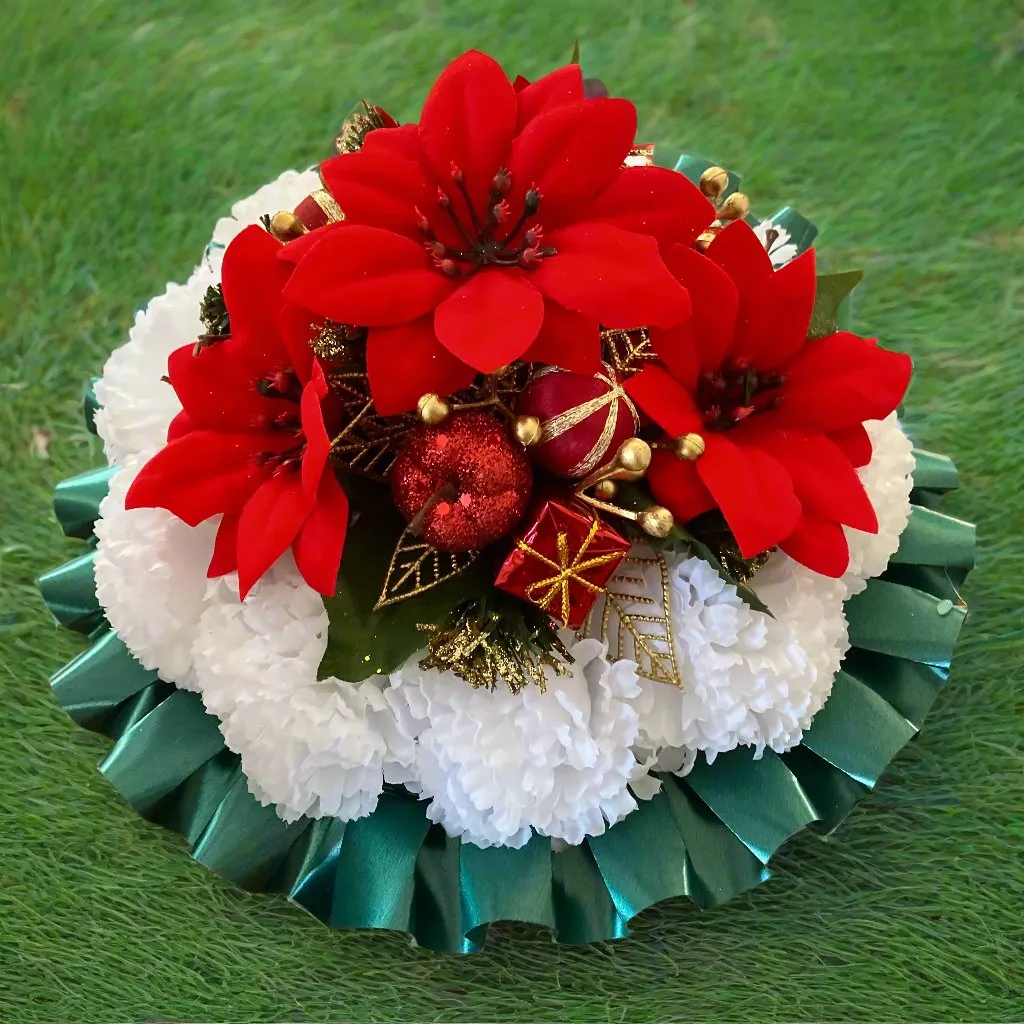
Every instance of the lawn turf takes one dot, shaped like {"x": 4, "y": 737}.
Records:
{"x": 126, "y": 129}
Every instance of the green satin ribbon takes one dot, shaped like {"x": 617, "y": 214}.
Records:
{"x": 76, "y": 500}
{"x": 708, "y": 836}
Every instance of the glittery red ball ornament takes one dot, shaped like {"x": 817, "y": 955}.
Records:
{"x": 466, "y": 478}
{"x": 583, "y": 419}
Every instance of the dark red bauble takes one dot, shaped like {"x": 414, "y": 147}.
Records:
{"x": 472, "y": 478}
{"x": 583, "y": 419}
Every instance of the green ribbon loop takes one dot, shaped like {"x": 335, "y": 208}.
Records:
{"x": 759, "y": 800}
{"x": 904, "y": 622}
{"x": 77, "y": 500}
{"x": 70, "y": 594}
{"x": 99, "y": 680}
{"x": 852, "y": 701}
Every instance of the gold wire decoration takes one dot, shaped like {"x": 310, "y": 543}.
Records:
{"x": 416, "y": 566}
{"x": 628, "y": 351}
{"x": 478, "y": 645}
{"x": 635, "y": 625}
{"x": 368, "y": 444}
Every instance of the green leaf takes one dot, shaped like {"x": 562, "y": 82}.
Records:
{"x": 832, "y": 292}
{"x": 361, "y": 641}
{"x": 635, "y": 498}
{"x": 575, "y": 53}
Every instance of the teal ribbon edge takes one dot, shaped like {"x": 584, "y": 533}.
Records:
{"x": 708, "y": 836}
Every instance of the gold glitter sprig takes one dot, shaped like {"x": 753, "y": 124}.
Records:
{"x": 350, "y": 137}
{"x": 495, "y": 638}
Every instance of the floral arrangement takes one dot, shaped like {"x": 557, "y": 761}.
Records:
{"x": 498, "y": 524}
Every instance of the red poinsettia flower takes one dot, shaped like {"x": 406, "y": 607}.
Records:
{"x": 502, "y": 226}
{"x": 781, "y": 417}
{"x": 251, "y": 443}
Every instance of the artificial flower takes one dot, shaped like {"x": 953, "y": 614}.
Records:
{"x": 776, "y": 241}
{"x": 251, "y": 442}
{"x": 781, "y": 417}
{"x": 502, "y": 226}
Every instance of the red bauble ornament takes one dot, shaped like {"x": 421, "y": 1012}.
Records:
{"x": 583, "y": 419}
{"x": 470, "y": 477}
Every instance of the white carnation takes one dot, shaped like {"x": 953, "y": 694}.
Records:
{"x": 136, "y": 405}
{"x": 499, "y": 765}
{"x": 151, "y": 577}
{"x": 283, "y": 194}
{"x": 308, "y": 747}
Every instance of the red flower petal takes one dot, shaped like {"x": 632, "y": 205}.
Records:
{"x": 367, "y": 276}
{"x": 294, "y": 250}
{"x": 491, "y": 320}
{"x": 181, "y": 425}
{"x": 676, "y": 485}
{"x": 854, "y": 442}
{"x": 468, "y": 120}
{"x": 567, "y": 339}
{"x": 402, "y": 140}
{"x": 666, "y": 401}
{"x": 715, "y": 301}
{"x": 380, "y": 189}
{"x": 218, "y": 387}
{"x": 565, "y": 85}
{"x": 776, "y": 315}
{"x": 407, "y": 361}
{"x": 225, "y": 548}
{"x": 737, "y": 250}
{"x": 653, "y": 201}
{"x": 320, "y": 542}
{"x": 318, "y": 444}
{"x": 269, "y": 522}
{"x": 676, "y": 347}
{"x": 753, "y": 490}
{"x": 614, "y": 276}
{"x": 841, "y": 380}
{"x": 204, "y": 473}
{"x": 570, "y": 154}
{"x": 297, "y": 327}
{"x": 252, "y": 278}
{"x": 823, "y": 479}
{"x": 820, "y": 544}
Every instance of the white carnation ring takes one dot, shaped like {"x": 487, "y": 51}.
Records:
{"x": 539, "y": 770}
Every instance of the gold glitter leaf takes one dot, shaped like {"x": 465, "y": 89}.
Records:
{"x": 628, "y": 351}
{"x": 368, "y": 444}
{"x": 416, "y": 566}
{"x": 635, "y": 624}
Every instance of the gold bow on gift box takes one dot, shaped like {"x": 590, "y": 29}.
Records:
{"x": 543, "y": 592}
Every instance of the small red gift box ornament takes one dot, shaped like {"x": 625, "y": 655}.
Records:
{"x": 562, "y": 561}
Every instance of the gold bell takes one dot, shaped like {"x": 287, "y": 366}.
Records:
{"x": 527, "y": 430}
{"x": 656, "y": 521}
{"x": 433, "y": 409}
{"x": 714, "y": 181}
{"x": 736, "y": 207}
{"x": 285, "y": 226}
{"x": 689, "y": 447}
{"x": 605, "y": 490}
{"x": 634, "y": 455}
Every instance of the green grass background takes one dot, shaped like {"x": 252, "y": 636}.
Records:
{"x": 127, "y": 128}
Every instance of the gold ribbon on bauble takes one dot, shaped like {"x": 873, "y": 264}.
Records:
{"x": 565, "y": 421}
